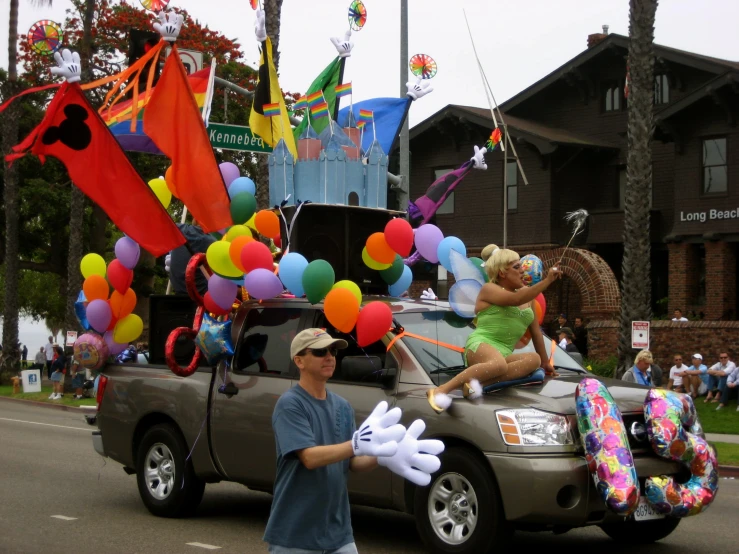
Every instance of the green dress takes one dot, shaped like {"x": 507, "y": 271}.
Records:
{"x": 501, "y": 327}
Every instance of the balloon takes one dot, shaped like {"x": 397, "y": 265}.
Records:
{"x": 122, "y": 304}
{"x": 318, "y": 278}
{"x": 292, "y": 266}
{"x": 219, "y": 259}
{"x": 127, "y": 251}
{"x": 427, "y": 241}
{"x": 237, "y": 245}
{"x": 212, "y": 307}
{"x": 373, "y": 323}
{"x": 267, "y": 223}
{"x": 256, "y": 255}
{"x": 119, "y": 276}
{"x": 447, "y": 244}
{"x": 533, "y": 269}
{"x": 114, "y": 347}
{"x": 524, "y": 340}
{"x": 80, "y": 310}
{"x": 242, "y": 184}
{"x": 393, "y": 273}
{"x": 372, "y": 264}
{"x": 95, "y": 288}
{"x": 262, "y": 283}
{"x": 399, "y": 236}
{"x": 243, "y": 206}
{"x": 237, "y": 231}
{"x": 90, "y": 351}
{"x": 92, "y": 264}
{"x": 229, "y": 172}
{"x": 350, "y": 286}
{"x": 402, "y": 284}
{"x": 541, "y": 303}
{"x": 478, "y": 263}
{"x": 160, "y": 188}
{"x": 222, "y": 291}
{"x": 112, "y": 324}
{"x": 98, "y": 315}
{"x": 379, "y": 250}
{"x": 341, "y": 309}
{"x": 251, "y": 223}
{"x": 128, "y": 329}
{"x": 169, "y": 179}
{"x": 538, "y": 313}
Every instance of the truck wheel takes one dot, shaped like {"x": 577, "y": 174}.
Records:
{"x": 461, "y": 512}
{"x": 167, "y": 483}
{"x": 640, "y": 532}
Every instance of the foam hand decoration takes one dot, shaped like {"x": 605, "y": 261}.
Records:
{"x": 429, "y": 294}
{"x": 68, "y": 66}
{"x": 418, "y": 89}
{"x": 343, "y": 47}
{"x": 259, "y": 26}
{"x": 168, "y": 262}
{"x": 478, "y": 160}
{"x": 415, "y": 459}
{"x": 380, "y": 433}
{"x": 168, "y": 25}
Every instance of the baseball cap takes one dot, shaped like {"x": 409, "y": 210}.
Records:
{"x": 314, "y": 338}
{"x": 563, "y": 316}
{"x": 566, "y": 331}
{"x": 698, "y": 356}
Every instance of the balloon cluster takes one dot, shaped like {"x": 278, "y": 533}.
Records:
{"x": 385, "y": 252}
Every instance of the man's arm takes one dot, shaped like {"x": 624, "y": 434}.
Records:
{"x": 320, "y": 456}
{"x": 361, "y": 464}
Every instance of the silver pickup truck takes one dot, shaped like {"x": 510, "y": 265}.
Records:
{"x": 177, "y": 434}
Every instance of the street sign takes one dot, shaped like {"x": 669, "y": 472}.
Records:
{"x": 640, "y": 335}
{"x": 71, "y": 338}
{"x": 191, "y": 59}
{"x": 236, "y": 137}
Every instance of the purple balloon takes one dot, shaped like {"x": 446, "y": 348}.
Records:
{"x": 114, "y": 347}
{"x": 262, "y": 284}
{"x": 222, "y": 291}
{"x": 427, "y": 241}
{"x": 127, "y": 251}
{"x": 99, "y": 315}
{"x": 229, "y": 172}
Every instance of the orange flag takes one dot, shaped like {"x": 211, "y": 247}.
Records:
{"x": 173, "y": 121}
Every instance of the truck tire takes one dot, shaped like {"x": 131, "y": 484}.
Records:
{"x": 460, "y": 511}
{"x": 640, "y": 532}
{"x": 167, "y": 483}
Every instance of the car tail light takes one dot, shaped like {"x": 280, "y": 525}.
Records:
{"x": 101, "y": 390}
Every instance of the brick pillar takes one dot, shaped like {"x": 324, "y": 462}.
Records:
{"x": 683, "y": 276}
{"x": 720, "y": 280}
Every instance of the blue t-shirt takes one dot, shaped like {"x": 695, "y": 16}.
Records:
{"x": 310, "y": 508}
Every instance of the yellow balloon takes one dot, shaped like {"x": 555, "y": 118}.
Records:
{"x": 251, "y": 223}
{"x": 160, "y": 188}
{"x": 237, "y": 231}
{"x": 352, "y": 287}
{"x": 219, "y": 260}
{"x": 372, "y": 264}
{"x": 127, "y": 329}
{"x": 92, "y": 264}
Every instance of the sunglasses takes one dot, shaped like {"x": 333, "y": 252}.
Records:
{"x": 724, "y": 357}
{"x": 321, "y": 352}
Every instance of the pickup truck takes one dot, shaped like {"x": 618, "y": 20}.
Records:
{"x": 178, "y": 433}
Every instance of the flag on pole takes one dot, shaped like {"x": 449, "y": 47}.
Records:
{"x": 319, "y": 110}
{"x": 343, "y": 90}
{"x": 271, "y": 110}
{"x": 301, "y": 103}
{"x": 325, "y": 84}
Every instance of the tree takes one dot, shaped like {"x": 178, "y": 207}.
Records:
{"x": 636, "y": 283}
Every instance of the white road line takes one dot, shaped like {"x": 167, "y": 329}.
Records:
{"x": 65, "y": 518}
{"x": 201, "y": 545}
{"x": 46, "y": 424}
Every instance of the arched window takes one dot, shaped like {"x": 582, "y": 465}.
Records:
{"x": 353, "y": 199}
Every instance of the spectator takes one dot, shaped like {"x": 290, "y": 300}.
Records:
{"x": 677, "y": 315}
{"x": 697, "y": 376}
{"x": 581, "y": 336}
{"x": 645, "y": 371}
{"x": 59, "y": 368}
{"x": 40, "y": 360}
{"x": 557, "y": 325}
{"x": 676, "y": 374}
{"x": 49, "y": 350}
{"x": 78, "y": 378}
{"x": 718, "y": 376}
{"x": 24, "y": 356}
{"x": 731, "y": 388}
{"x": 565, "y": 337}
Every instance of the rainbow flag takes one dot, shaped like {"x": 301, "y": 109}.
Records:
{"x": 366, "y": 115}
{"x": 319, "y": 110}
{"x": 494, "y": 140}
{"x": 361, "y": 123}
{"x": 271, "y": 110}
{"x": 301, "y": 103}
{"x": 315, "y": 98}
{"x": 343, "y": 90}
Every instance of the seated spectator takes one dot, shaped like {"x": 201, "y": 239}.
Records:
{"x": 730, "y": 388}
{"x": 676, "y": 374}
{"x": 677, "y": 315}
{"x": 645, "y": 371}
{"x": 565, "y": 336}
{"x": 718, "y": 376}
{"x": 696, "y": 376}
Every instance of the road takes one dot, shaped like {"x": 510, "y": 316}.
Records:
{"x": 49, "y": 469}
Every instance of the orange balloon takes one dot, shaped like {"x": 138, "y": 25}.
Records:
{"x": 539, "y": 312}
{"x": 524, "y": 340}
{"x": 379, "y": 250}
{"x": 122, "y": 304}
{"x": 267, "y": 223}
{"x": 341, "y": 309}
{"x": 234, "y": 251}
{"x": 95, "y": 287}
{"x": 169, "y": 179}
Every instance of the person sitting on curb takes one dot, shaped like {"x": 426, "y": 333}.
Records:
{"x": 696, "y": 376}
{"x": 676, "y": 375}
{"x": 718, "y": 376}
{"x": 645, "y": 371}
{"x": 730, "y": 388}
{"x": 566, "y": 336}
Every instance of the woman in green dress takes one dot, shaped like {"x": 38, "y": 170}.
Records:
{"x": 504, "y": 313}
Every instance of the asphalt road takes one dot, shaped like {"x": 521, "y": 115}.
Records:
{"x": 49, "y": 469}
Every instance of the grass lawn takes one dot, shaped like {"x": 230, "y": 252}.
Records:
{"x": 724, "y": 421}
{"x": 728, "y": 454}
{"x": 43, "y": 396}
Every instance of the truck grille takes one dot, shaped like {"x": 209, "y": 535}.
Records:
{"x": 636, "y": 432}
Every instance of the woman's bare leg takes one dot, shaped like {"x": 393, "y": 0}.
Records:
{"x": 484, "y": 364}
{"x": 518, "y": 366}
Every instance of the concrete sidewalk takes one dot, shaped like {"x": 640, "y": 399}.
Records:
{"x": 716, "y": 437}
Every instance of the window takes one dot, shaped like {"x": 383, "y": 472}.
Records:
{"x": 661, "y": 89}
{"x": 265, "y": 346}
{"x": 512, "y": 184}
{"x": 442, "y": 282}
{"x": 353, "y": 199}
{"x": 448, "y": 206}
{"x": 715, "y": 170}
{"x": 612, "y": 100}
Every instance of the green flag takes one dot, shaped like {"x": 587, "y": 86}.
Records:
{"x": 326, "y": 82}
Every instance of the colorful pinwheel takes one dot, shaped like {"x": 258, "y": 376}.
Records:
{"x": 423, "y": 66}
{"x": 254, "y": 4}
{"x": 357, "y": 15}
{"x": 45, "y": 37}
{"x": 154, "y": 5}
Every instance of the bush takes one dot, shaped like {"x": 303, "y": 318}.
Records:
{"x": 602, "y": 368}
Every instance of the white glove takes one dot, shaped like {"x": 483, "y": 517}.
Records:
{"x": 418, "y": 89}
{"x": 479, "y": 158}
{"x": 343, "y": 47}
{"x": 168, "y": 25}
{"x": 168, "y": 262}
{"x": 429, "y": 294}
{"x": 69, "y": 66}
{"x": 416, "y": 459}
{"x": 380, "y": 433}
{"x": 259, "y": 27}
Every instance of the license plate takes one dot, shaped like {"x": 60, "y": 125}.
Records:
{"x": 645, "y": 512}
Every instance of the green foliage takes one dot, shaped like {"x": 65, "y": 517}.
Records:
{"x": 39, "y": 296}
{"x": 605, "y": 368}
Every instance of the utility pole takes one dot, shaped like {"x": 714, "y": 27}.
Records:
{"x": 403, "y": 190}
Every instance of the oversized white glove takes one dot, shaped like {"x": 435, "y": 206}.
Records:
{"x": 68, "y": 66}
{"x": 343, "y": 47}
{"x": 168, "y": 25}
{"x": 429, "y": 294}
{"x": 479, "y": 158}
{"x": 260, "y": 28}
{"x": 168, "y": 262}
{"x": 415, "y": 459}
{"x": 418, "y": 89}
{"x": 380, "y": 433}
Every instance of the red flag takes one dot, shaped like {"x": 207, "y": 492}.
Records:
{"x": 73, "y": 132}
{"x": 173, "y": 121}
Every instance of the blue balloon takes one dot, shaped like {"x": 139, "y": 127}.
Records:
{"x": 402, "y": 284}
{"x": 80, "y": 310}
{"x": 242, "y": 184}
{"x": 445, "y": 246}
{"x": 292, "y": 266}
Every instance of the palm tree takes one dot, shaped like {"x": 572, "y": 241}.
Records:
{"x": 636, "y": 285}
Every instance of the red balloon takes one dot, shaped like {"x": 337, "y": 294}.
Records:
{"x": 256, "y": 255}
{"x": 399, "y": 235}
{"x": 212, "y": 307}
{"x": 120, "y": 276}
{"x": 543, "y": 303}
{"x": 373, "y": 323}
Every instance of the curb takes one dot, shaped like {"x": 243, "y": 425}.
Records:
{"x": 728, "y": 471}
{"x": 61, "y": 407}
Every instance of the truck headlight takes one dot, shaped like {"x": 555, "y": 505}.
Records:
{"x": 530, "y": 427}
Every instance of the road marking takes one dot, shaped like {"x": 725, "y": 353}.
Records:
{"x": 46, "y": 424}
{"x": 65, "y": 518}
{"x": 201, "y": 545}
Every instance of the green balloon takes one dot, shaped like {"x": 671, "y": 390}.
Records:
{"x": 318, "y": 278}
{"x": 393, "y": 273}
{"x": 478, "y": 264}
{"x": 243, "y": 206}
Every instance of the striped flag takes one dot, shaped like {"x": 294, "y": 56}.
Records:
{"x": 366, "y": 115}
{"x": 319, "y": 110}
{"x": 315, "y": 98}
{"x": 361, "y": 123}
{"x": 271, "y": 110}
{"x": 343, "y": 90}
{"x": 301, "y": 103}
{"x": 494, "y": 139}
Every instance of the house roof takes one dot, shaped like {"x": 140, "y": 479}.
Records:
{"x": 706, "y": 89}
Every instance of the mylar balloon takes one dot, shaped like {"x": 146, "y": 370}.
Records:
{"x": 379, "y": 250}
{"x": 127, "y": 251}
{"x": 427, "y": 241}
{"x": 128, "y": 329}
{"x": 373, "y": 323}
{"x": 242, "y": 184}
{"x": 402, "y": 284}
{"x": 318, "y": 278}
{"x": 219, "y": 260}
{"x": 256, "y": 255}
{"x": 243, "y": 206}
{"x": 90, "y": 351}
{"x": 292, "y": 266}
{"x": 341, "y": 309}
{"x": 99, "y": 315}
{"x": 350, "y": 286}
{"x": 267, "y": 223}
{"x": 160, "y": 188}
{"x": 229, "y": 172}
{"x": 533, "y": 269}
{"x": 445, "y": 246}
{"x": 262, "y": 284}
{"x": 372, "y": 264}
{"x": 92, "y": 264}
{"x": 95, "y": 288}
{"x": 399, "y": 235}
{"x": 122, "y": 304}
{"x": 80, "y": 310}
{"x": 119, "y": 276}
{"x": 393, "y": 273}
{"x": 234, "y": 251}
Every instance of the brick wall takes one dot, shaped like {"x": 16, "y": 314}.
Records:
{"x": 720, "y": 280}
{"x": 683, "y": 287}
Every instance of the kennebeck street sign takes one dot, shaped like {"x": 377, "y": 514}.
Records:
{"x": 236, "y": 137}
